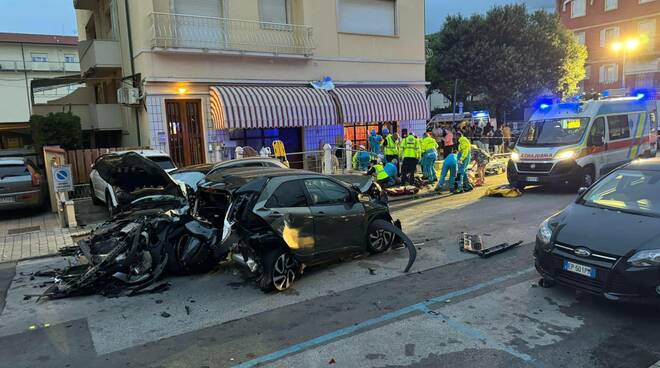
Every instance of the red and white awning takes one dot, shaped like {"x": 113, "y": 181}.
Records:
{"x": 365, "y": 105}
{"x": 247, "y": 107}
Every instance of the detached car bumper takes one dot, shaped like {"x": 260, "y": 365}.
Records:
{"x": 614, "y": 280}
{"x": 562, "y": 173}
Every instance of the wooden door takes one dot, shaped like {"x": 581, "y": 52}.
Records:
{"x": 185, "y": 132}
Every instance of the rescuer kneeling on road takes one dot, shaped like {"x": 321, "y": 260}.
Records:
{"x": 382, "y": 177}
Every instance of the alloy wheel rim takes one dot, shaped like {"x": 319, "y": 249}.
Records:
{"x": 284, "y": 273}
{"x": 380, "y": 239}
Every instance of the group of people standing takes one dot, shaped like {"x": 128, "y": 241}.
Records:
{"x": 393, "y": 160}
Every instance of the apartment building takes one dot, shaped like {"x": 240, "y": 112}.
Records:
{"x": 23, "y": 58}
{"x": 215, "y": 74}
{"x": 621, "y": 38}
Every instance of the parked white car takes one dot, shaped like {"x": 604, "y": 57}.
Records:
{"x": 103, "y": 193}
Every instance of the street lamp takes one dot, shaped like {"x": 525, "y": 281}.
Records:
{"x": 626, "y": 47}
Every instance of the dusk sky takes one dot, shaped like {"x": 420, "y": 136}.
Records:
{"x": 58, "y": 16}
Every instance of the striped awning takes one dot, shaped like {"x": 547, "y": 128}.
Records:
{"x": 365, "y": 105}
{"x": 235, "y": 107}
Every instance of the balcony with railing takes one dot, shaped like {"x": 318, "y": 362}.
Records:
{"x": 179, "y": 31}
{"x": 39, "y": 66}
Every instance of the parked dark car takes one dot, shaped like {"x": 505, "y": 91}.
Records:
{"x": 192, "y": 175}
{"x": 21, "y": 184}
{"x": 606, "y": 242}
{"x": 277, "y": 221}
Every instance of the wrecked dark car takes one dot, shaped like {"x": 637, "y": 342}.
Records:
{"x": 153, "y": 234}
{"x": 275, "y": 222}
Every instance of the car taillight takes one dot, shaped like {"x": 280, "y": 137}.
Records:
{"x": 36, "y": 180}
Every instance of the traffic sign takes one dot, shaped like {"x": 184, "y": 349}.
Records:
{"x": 62, "y": 179}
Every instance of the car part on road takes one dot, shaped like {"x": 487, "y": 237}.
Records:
{"x": 474, "y": 244}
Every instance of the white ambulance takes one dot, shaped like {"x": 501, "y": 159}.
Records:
{"x": 576, "y": 143}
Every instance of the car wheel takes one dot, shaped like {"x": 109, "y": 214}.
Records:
{"x": 378, "y": 239}
{"x": 280, "y": 270}
{"x": 95, "y": 200}
{"x": 588, "y": 176}
{"x": 109, "y": 205}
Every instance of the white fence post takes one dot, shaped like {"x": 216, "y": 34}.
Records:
{"x": 239, "y": 152}
{"x": 327, "y": 159}
{"x": 218, "y": 158}
{"x": 349, "y": 155}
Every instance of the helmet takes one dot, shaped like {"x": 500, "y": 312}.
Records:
{"x": 386, "y": 131}
{"x": 373, "y": 132}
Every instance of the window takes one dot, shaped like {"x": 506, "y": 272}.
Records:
{"x": 618, "y": 126}
{"x": 255, "y": 138}
{"x": 608, "y": 35}
{"x": 587, "y": 72}
{"x": 597, "y": 131}
{"x": 374, "y": 17}
{"x": 289, "y": 194}
{"x": 611, "y": 4}
{"x": 358, "y": 134}
{"x": 325, "y": 192}
{"x": 627, "y": 190}
{"x": 609, "y": 73}
{"x": 645, "y": 1}
{"x": 39, "y": 57}
{"x": 578, "y": 8}
{"x": 647, "y": 29}
{"x": 69, "y": 58}
{"x": 580, "y": 36}
{"x": 275, "y": 11}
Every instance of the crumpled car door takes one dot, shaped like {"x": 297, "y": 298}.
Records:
{"x": 295, "y": 225}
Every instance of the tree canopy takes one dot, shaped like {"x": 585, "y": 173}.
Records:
{"x": 60, "y": 129}
{"x": 507, "y": 56}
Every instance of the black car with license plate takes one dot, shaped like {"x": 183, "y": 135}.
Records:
{"x": 608, "y": 241}
{"x": 276, "y": 221}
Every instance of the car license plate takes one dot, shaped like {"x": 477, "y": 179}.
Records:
{"x": 580, "y": 269}
{"x": 7, "y": 199}
{"x": 532, "y": 179}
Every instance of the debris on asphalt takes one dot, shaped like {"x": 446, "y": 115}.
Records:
{"x": 159, "y": 301}
{"x": 472, "y": 243}
{"x": 187, "y": 310}
{"x": 372, "y": 271}
{"x": 165, "y": 315}
{"x": 152, "y": 235}
{"x": 332, "y": 361}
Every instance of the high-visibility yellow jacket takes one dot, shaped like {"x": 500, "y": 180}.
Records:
{"x": 463, "y": 147}
{"x": 392, "y": 147}
{"x": 381, "y": 174}
{"x": 410, "y": 147}
{"x": 429, "y": 143}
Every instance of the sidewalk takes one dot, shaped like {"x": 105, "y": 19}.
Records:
{"x": 31, "y": 236}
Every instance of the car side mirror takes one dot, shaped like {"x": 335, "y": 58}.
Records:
{"x": 582, "y": 190}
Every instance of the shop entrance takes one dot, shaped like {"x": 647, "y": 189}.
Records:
{"x": 358, "y": 133}
{"x": 185, "y": 132}
{"x": 259, "y": 138}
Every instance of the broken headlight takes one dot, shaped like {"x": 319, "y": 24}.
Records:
{"x": 227, "y": 225}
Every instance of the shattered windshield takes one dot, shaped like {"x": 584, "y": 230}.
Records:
{"x": 553, "y": 132}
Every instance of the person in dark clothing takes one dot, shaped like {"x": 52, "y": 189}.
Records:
{"x": 498, "y": 140}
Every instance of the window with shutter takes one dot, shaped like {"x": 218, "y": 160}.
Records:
{"x": 647, "y": 30}
{"x": 374, "y": 17}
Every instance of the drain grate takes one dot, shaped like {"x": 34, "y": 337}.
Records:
{"x": 23, "y": 230}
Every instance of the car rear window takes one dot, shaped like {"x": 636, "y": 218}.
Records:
{"x": 165, "y": 163}
{"x": 7, "y": 171}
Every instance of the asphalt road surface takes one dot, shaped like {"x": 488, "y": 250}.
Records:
{"x": 453, "y": 310}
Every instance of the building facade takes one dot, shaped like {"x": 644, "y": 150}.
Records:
{"x": 211, "y": 75}
{"x": 621, "y": 39}
{"x": 24, "y": 58}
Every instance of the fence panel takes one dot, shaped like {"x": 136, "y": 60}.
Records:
{"x": 81, "y": 161}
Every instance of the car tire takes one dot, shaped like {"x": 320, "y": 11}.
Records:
{"x": 108, "y": 204}
{"x": 95, "y": 200}
{"x": 588, "y": 177}
{"x": 378, "y": 238}
{"x": 280, "y": 270}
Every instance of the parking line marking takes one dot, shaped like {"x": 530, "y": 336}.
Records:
{"x": 418, "y": 307}
{"x": 474, "y": 333}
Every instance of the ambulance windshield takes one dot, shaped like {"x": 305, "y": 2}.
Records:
{"x": 553, "y": 132}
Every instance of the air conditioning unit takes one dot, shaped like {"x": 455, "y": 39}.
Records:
{"x": 128, "y": 96}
